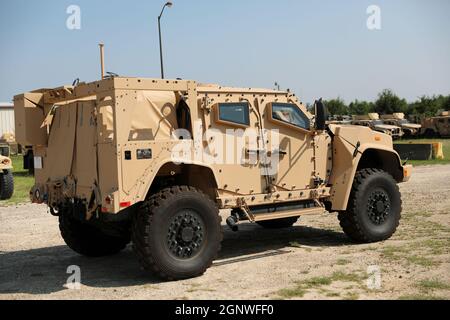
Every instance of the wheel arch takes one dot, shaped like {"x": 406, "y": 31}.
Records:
{"x": 197, "y": 175}
{"x": 385, "y": 160}
{"x": 369, "y": 157}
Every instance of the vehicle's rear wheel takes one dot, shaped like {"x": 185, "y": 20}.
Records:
{"x": 88, "y": 240}
{"x": 177, "y": 233}
{"x": 278, "y": 223}
{"x": 6, "y": 184}
{"x": 374, "y": 208}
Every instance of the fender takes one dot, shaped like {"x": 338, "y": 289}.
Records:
{"x": 355, "y": 148}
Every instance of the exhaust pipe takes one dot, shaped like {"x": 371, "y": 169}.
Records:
{"x": 102, "y": 60}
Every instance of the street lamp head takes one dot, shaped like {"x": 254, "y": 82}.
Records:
{"x": 168, "y": 4}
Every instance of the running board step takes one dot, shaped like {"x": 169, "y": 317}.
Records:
{"x": 288, "y": 214}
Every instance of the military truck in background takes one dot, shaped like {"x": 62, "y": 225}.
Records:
{"x": 373, "y": 121}
{"x": 6, "y": 175}
{"x": 398, "y": 119}
{"x": 438, "y": 126}
{"x": 134, "y": 159}
{"x": 339, "y": 119}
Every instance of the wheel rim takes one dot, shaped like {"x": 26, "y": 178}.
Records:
{"x": 186, "y": 234}
{"x": 378, "y": 206}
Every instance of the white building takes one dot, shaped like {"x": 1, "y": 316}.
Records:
{"x": 6, "y": 118}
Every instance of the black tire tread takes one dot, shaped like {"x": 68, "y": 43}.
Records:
{"x": 141, "y": 225}
{"x": 6, "y": 184}
{"x": 349, "y": 221}
{"x": 87, "y": 240}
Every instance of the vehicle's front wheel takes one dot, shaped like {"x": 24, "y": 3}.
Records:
{"x": 374, "y": 209}
{"x": 88, "y": 240}
{"x": 6, "y": 184}
{"x": 177, "y": 233}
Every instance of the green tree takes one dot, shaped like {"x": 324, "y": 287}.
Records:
{"x": 427, "y": 106}
{"x": 336, "y": 107}
{"x": 388, "y": 102}
{"x": 445, "y": 105}
{"x": 360, "y": 107}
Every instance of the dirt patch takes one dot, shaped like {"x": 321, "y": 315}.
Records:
{"x": 312, "y": 260}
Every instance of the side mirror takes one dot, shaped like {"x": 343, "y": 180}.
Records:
{"x": 321, "y": 115}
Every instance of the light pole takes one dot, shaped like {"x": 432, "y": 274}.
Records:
{"x": 168, "y": 4}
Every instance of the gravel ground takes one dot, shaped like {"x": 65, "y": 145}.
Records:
{"x": 312, "y": 260}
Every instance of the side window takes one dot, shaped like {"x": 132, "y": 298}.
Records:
{"x": 291, "y": 114}
{"x": 237, "y": 113}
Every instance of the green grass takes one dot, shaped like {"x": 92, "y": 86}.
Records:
{"x": 318, "y": 281}
{"x": 420, "y": 297}
{"x": 347, "y": 277}
{"x": 408, "y": 254}
{"x": 433, "y": 284}
{"x": 23, "y": 182}
{"x": 342, "y": 262}
{"x": 446, "y": 149}
{"x": 302, "y": 287}
{"x": 422, "y": 261}
{"x": 351, "y": 296}
{"x": 297, "y": 292}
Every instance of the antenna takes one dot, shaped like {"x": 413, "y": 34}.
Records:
{"x": 102, "y": 59}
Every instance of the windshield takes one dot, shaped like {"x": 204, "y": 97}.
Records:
{"x": 404, "y": 121}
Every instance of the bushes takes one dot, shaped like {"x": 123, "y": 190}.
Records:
{"x": 388, "y": 102}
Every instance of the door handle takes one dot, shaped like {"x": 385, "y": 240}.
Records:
{"x": 248, "y": 151}
{"x": 280, "y": 152}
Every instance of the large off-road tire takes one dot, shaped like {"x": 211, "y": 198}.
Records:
{"x": 177, "y": 233}
{"x": 88, "y": 240}
{"x": 374, "y": 208}
{"x": 6, "y": 184}
{"x": 278, "y": 223}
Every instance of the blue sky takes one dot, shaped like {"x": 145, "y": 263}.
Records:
{"x": 315, "y": 48}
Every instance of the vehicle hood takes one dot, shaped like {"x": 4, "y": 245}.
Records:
{"x": 364, "y": 135}
{"x": 412, "y": 126}
{"x": 386, "y": 127}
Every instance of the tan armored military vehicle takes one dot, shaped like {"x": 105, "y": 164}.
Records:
{"x": 152, "y": 162}
{"x": 373, "y": 121}
{"x": 6, "y": 176}
{"x": 438, "y": 126}
{"x": 398, "y": 119}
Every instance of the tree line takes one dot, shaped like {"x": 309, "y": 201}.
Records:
{"x": 387, "y": 103}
